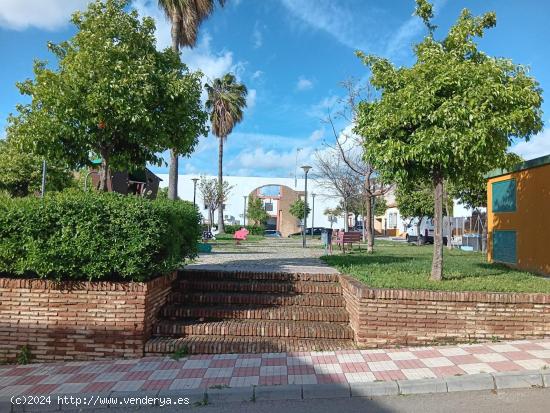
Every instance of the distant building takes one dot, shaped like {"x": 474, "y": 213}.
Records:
{"x": 518, "y": 215}
{"x": 277, "y": 195}
{"x": 141, "y": 182}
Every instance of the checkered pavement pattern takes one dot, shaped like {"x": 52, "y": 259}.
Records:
{"x": 204, "y": 371}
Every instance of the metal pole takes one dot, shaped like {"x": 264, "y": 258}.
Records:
{"x": 244, "y": 211}
{"x": 305, "y": 213}
{"x": 195, "y": 191}
{"x": 312, "y": 213}
{"x": 296, "y": 169}
{"x": 43, "y": 188}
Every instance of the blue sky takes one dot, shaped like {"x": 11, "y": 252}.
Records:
{"x": 291, "y": 54}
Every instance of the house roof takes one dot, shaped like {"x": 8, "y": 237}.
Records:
{"x": 533, "y": 163}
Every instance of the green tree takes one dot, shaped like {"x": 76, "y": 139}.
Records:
{"x": 213, "y": 195}
{"x": 451, "y": 115}
{"x": 112, "y": 95}
{"x": 226, "y": 101}
{"x": 185, "y": 17}
{"x": 21, "y": 171}
{"x": 415, "y": 201}
{"x": 333, "y": 213}
{"x": 256, "y": 211}
{"x": 380, "y": 206}
{"x": 297, "y": 209}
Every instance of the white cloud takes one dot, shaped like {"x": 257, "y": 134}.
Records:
{"x": 537, "y": 146}
{"x": 401, "y": 41}
{"x": 325, "y": 106}
{"x": 257, "y": 74}
{"x": 260, "y": 161}
{"x": 43, "y": 14}
{"x": 251, "y": 99}
{"x": 257, "y": 36}
{"x": 331, "y": 17}
{"x": 317, "y": 134}
{"x": 304, "y": 84}
{"x": 212, "y": 63}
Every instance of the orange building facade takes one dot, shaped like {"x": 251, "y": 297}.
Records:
{"x": 518, "y": 216}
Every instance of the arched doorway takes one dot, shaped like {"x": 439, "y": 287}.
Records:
{"x": 277, "y": 200}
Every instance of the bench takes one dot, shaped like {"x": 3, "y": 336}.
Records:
{"x": 240, "y": 235}
{"x": 348, "y": 238}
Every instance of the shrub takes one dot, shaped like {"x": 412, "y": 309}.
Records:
{"x": 94, "y": 236}
{"x": 252, "y": 229}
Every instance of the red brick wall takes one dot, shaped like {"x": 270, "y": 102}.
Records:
{"x": 385, "y": 317}
{"x": 78, "y": 320}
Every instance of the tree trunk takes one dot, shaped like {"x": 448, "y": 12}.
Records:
{"x": 173, "y": 176}
{"x": 437, "y": 261}
{"x": 104, "y": 172}
{"x": 346, "y": 226}
{"x": 367, "y": 223}
{"x": 173, "y": 171}
{"x": 418, "y": 223}
{"x": 221, "y": 226}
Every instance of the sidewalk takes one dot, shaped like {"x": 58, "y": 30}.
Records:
{"x": 246, "y": 370}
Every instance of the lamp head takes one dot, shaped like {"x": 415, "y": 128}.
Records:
{"x": 306, "y": 168}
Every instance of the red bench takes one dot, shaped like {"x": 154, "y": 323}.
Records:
{"x": 349, "y": 238}
{"x": 240, "y": 235}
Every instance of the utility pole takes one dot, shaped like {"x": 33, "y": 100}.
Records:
{"x": 43, "y": 187}
{"x": 306, "y": 169}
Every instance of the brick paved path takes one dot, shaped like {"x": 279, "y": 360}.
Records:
{"x": 237, "y": 370}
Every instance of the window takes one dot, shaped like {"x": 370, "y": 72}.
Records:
{"x": 504, "y": 246}
{"x": 504, "y": 196}
{"x": 392, "y": 220}
{"x": 268, "y": 206}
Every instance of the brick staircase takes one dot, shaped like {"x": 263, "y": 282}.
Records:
{"x": 252, "y": 312}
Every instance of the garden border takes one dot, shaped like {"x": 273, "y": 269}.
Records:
{"x": 79, "y": 320}
{"x": 396, "y": 317}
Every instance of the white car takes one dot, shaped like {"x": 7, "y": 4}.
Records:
{"x": 426, "y": 230}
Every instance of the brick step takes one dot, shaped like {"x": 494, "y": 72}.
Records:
{"x": 305, "y": 287}
{"x": 255, "y": 276}
{"x": 241, "y": 344}
{"x": 296, "y": 313}
{"x": 255, "y": 328}
{"x": 220, "y": 298}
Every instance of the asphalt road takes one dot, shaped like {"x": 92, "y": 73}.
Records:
{"x": 509, "y": 401}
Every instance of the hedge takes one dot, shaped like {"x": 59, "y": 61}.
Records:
{"x": 253, "y": 229}
{"x": 95, "y": 236}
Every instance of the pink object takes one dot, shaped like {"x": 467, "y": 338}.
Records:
{"x": 240, "y": 235}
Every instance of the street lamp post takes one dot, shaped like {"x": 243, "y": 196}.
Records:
{"x": 306, "y": 169}
{"x": 244, "y": 211}
{"x": 312, "y": 214}
{"x": 195, "y": 180}
{"x": 43, "y": 186}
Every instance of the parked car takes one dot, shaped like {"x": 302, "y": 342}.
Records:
{"x": 426, "y": 231}
{"x": 271, "y": 233}
{"x": 316, "y": 231}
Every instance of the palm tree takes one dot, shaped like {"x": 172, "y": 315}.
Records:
{"x": 226, "y": 101}
{"x": 185, "y": 16}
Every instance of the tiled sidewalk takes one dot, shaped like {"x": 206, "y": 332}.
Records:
{"x": 236, "y": 370}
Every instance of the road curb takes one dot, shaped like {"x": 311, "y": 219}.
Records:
{"x": 452, "y": 384}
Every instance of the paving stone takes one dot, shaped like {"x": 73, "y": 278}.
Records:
{"x": 283, "y": 392}
{"x": 470, "y": 383}
{"x": 518, "y": 379}
{"x": 377, "y": 388}
{"x": 326, "y": 391}
{"x": 422, "y": 386}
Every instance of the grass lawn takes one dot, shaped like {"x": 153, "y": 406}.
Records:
{"x": 224, "y": 239}
{"x": 398, "y": 265}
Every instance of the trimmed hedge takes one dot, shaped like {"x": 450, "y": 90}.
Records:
{"x": 95, "y": 236}
{"x": 252, "y": 229}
